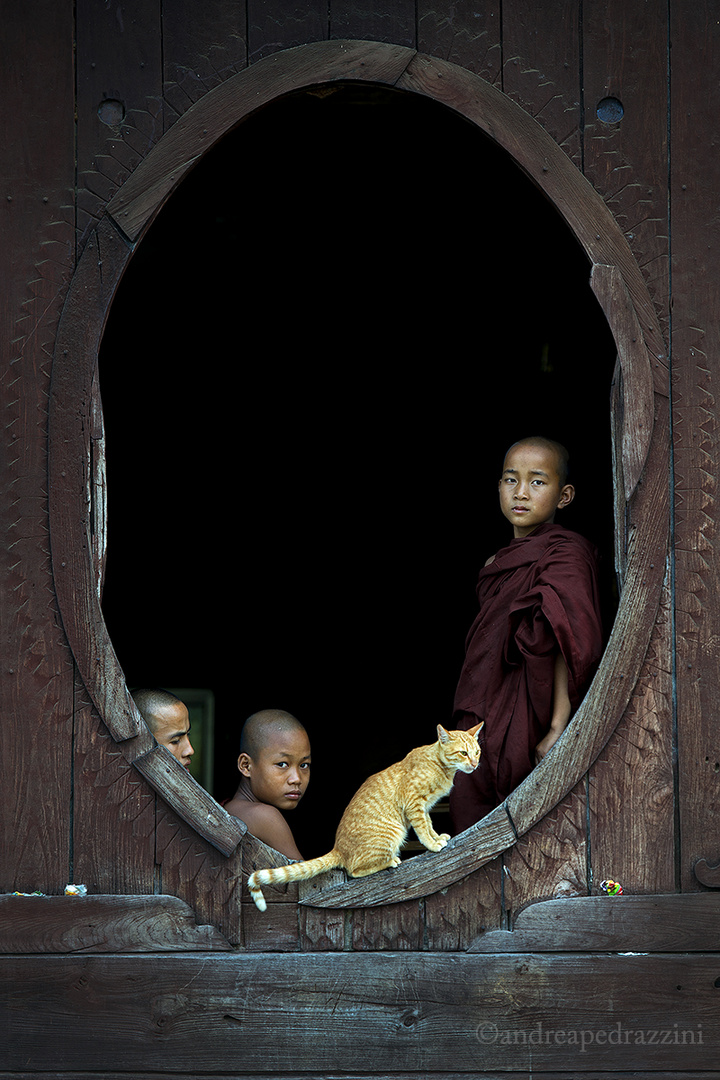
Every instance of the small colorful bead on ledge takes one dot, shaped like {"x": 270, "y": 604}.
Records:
{"x": 612, "y": 888}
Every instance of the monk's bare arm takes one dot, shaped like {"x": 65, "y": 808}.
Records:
{"x": 267, "y": 824}
{"x": 561, "y": 709}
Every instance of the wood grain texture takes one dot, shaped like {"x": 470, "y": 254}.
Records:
{"x": 36, "y": 220}
{"x": 464, "y": 33}
{"x": 102, "y": 924}
{"x": 637, "y": 378}
{"x": 118, "y": 60}
{"x": 631, "y": 784}
{"x": 225, "y": 106}
{"x": 694, "y": 182}
{"x": 551, "y": 860}
{"x": 541, "y": 69}
{"x": 625, "y": 57}
{"x": 654, "y": 924}
{"x": 189, "y": 800}
{"x": 199, "y": 54}
{"x": 337, "y": 1012}
{"x": 426, "y": 873}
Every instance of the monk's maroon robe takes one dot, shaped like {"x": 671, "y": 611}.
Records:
{"x": 539, "y": 594}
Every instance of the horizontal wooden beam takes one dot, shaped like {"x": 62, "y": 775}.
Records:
{"x": 399, "y": 1013}
{"x": 102, "y": 924}
{"x": 677, "y": 922}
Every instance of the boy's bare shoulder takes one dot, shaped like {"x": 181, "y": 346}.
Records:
{"x": 266, "y": 823}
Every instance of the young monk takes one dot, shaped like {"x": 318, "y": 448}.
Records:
{"x": 167, "y": 717}
{"x": 537, "y": 639}
{"x": 274, "y": 765}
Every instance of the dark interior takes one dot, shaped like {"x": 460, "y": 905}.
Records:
{"x": 310, "y": 374}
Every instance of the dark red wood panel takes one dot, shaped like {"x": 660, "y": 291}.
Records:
{"x": 119, "y": 96}
{"x": 625, "y": 59}
{"x": 541, "y": 68}
{"x": 36, "y": 89}
{"x": 694, "y": 183}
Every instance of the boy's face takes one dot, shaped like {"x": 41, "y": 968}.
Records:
{"x": 280, "y": 772}
{"x": 171, "y": 728}
{"x": 530, "y": 487}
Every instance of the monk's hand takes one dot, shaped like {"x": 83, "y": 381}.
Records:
{"x": 546, "y": 744}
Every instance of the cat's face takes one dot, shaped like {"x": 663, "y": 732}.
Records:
{"x": 460, "y": 748}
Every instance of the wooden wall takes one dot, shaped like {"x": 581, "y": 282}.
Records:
{"x": 647, "y": 812}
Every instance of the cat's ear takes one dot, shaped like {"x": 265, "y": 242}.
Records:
{"x": 442, "y": 734}
{"x": 477, "y": 729}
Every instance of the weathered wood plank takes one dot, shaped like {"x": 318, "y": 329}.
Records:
{"x": 631, "y": 804}
{"x": 694, "y": 183}
{"x": 113, "y": 811}
{"x": 339, "y": 1011}
{"x": 625, "y": 58}
{"x": 282, "y": 24}
{"x": 189, "y": 800}
{"x": 464, "y": 33}
{"x": 226, "y": 105}
{"x": 119, "y": 60}
{"x": 102, "y": 924}
{"x": 426, "y": 873}
{"x": 369, "y": 21}
{"x": 37, "y": 228}
{"x": 551, "y": 860}
{"x": 541, "y": 68}
{"x": 200, "y": 53}
{"x": 637, "y": 379}
{"x": 190, "y": 867}
{"x": 675, "y": 923}
{"x": 457, "y": 914}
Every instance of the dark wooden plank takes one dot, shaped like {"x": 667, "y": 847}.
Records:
{"x": 625, "y": 57}
{"x": 282, "y": 24}
{"x": 631, "y": 800}
{"x": 102, "y": 924}
{"x": 339, "y": 1012}
{"x": 541, "y": 68}
{"x": 424, "y": 874}
{"x": 113, "y": 811}
{"x": 200, "y": 53}
{"x": 465, "y": 33}
{"x": 119, "y": 60}
{"x": 552, "y": 859}
{"x": 592, "y": 1074}
{"x": 694, "y": 183}
{"x": 676, "y": 923}
{"x": 224, "y": 107}
{"x": 191, "y": 868}
{"x": 367, "y": 20}
{"x": 36, "y": 81}
{"x": 191, "y": 801}
{"x": 637, "y": 378}
{"x": 455, "y": 915}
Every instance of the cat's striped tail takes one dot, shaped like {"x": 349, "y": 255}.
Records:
{"x": 299, "y": 871}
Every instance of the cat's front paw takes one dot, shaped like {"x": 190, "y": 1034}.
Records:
{"x": 437, "y": 843}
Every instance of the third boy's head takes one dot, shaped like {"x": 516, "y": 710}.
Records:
{"x": 534, "y": 484}
{"x": 275, "y": 758}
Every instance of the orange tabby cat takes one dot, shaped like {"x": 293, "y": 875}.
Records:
{"x": 374, "y": 826}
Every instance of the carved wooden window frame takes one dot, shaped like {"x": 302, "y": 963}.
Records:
{"x": 640, "y": 419}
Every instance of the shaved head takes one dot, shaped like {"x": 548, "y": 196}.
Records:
{"x": 151, "y": 702}
{"x": 262, "y": 726}
{"x": 563, "y": 458}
